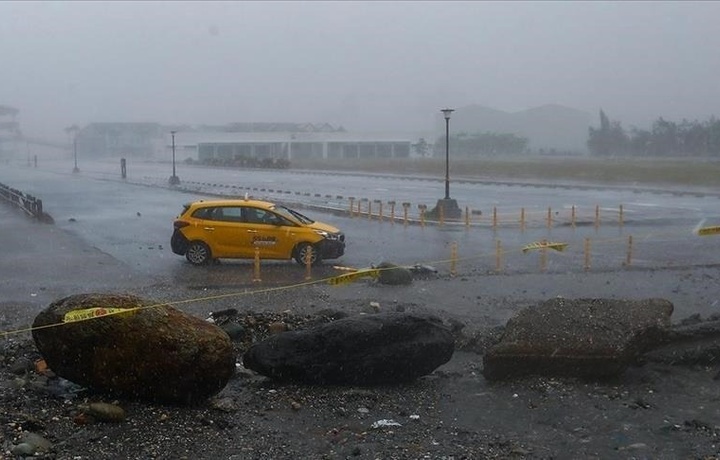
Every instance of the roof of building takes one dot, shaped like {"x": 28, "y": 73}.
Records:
{"x": 7, "y": 110}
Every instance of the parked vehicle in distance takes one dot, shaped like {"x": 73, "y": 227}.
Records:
{"x": 233, "y": 228}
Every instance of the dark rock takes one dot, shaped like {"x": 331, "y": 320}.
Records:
{"x": 367, "y": 349}
{"x": 692, "y": 319}
{"x": 332, "y": 314}
{"x": 21, "y": 366}
{"x": 390, "y": 273}
{"x": 690, "y": 343}
{"x": 277, "y": 327}
{"x": 234, "y": 331}
{"x": 104, "y": 412}
{"x": 578, "y": 337}
{"x": 152, "y": 351}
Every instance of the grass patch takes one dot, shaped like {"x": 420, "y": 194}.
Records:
{"x": 646, "y": 171}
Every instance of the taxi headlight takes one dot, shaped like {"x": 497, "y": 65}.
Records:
{"x": 328, "y": 235}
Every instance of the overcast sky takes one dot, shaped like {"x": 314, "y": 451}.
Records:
{"x": 369, "y": 66}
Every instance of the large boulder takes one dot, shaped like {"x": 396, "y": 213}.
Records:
{"x": 142, "y": 350}
{"x": 362, "y": 350}
{"x": 587, "y": 338}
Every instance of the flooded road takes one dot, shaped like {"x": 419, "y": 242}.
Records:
{"x": 128, "y": 224}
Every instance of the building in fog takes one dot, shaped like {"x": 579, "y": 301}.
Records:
{"x": 9, "y": 130}
{"x": 206, "y": 146}
{"x": 98, "y": 140}
{"x": 290, "y": 141}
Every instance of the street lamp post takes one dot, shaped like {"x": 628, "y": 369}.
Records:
{"x": 174, "y": 179}
{"x": 75, "y": 169}
{"x": 446, "y": 114}
{"x": 447, "y": 206}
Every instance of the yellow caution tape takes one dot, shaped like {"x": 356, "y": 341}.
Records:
{"x": 350, "y": 277}
{"x": 89, "y": 313}
{"x": 545, "y": 245}
{"x": 709, "y": 230}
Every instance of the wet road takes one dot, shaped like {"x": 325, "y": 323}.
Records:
{"x": 131, "y": 220}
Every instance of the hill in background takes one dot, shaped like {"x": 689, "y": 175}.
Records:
{"x": 549, "y": 127}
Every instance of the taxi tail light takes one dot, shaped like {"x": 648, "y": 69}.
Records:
{"x": 178, "y": 224}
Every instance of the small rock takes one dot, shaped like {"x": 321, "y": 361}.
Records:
{"x": 21, "y": 366}
{"x": 692, "y": 319}
{"x": 224, "y": 405}
{"x": 277, "y": 327}
{"x": 23, "y": 450}
{"x": 635, "y": 446}
{"x": 105, "y": 412}
{"x": 384, "y": 424}
{"x": 393, "y": 274}
{"x": 37, "y": 441}
{"x": 233, "y": 330}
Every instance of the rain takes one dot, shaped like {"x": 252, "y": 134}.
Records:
{"x": 525, "y": 195}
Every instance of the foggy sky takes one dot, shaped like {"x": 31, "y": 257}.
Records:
{"x": 369, "y": 66}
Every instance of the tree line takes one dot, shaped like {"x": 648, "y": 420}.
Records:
{"x": 480, "y": 144}
{"x": 664, "y": 138}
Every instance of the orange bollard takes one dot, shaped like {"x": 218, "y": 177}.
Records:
{"x": 352, "y": 201}
{"x": 549, "y": 218}
{"x": 498, "y": 256}
{"x": 587, "y": 254}
{"x": 256, "y": 273}
{"x": 453, "y": 258}
{"x": 628, "y": 260}
{"x": 392, "y": 211}
{"x": 522, "y": 219}
{"x": 406, "y": 206}
{"x": 308, "y": 263}
{"x": 422, "y": 208}
{"x": 494, "y": 220}
{"x": 597, "y": 216}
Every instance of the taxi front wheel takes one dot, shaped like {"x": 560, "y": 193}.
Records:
{"x": 307, "y": 250}
{"x": 198, "y": 253}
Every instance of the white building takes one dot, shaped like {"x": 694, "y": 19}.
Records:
{"x": 203, "y": 146}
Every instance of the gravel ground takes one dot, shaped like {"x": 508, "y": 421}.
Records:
{"x": 652, "y": 411}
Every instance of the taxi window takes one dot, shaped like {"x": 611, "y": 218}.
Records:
{"x": 231, "y": 214}
{"x": 263, "y": 216}
{"x": 203, "y": 213}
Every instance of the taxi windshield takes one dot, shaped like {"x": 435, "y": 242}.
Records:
{"x": 292, "y": 214}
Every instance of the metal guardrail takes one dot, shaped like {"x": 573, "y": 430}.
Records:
{"x": 30, "y": 205}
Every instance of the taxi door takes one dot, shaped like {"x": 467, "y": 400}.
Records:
{"x": 274, "y": 235}
{"x": 229, "y": 235}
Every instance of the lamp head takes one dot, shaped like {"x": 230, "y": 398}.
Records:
{"x": 447, "y": 112}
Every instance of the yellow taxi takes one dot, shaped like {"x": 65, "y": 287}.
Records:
{"x": 207, "y": 230}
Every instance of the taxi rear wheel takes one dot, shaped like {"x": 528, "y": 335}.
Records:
{"x": 307, "y": 250}
{"x": 198, "y": 253}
